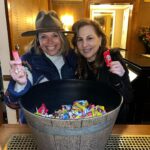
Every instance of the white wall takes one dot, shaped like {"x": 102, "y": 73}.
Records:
{"x": 4, "y": 46}
{"x": 5, "y": 56}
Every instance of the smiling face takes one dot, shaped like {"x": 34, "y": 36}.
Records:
{"x": 50, "y": 43}
{"x": 88, "y": 42}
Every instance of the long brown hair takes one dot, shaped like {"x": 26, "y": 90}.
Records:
{"x": 82, "y": 62}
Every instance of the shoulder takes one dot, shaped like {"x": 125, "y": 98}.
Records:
{"x": 71, "y": 54}
{"x": 29, "y": 55}
{"x": 71, "y": 57}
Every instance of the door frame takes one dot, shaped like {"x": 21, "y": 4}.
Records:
{"x": 133, "y": 18}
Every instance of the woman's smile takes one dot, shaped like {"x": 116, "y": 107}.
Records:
{"x": 50, "y": 43}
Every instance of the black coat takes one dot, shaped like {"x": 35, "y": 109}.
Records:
{"x": 121, "y": 84}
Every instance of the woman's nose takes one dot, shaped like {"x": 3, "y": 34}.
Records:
{"x": 84, "y": 44}
{"x": 49, "y": 39}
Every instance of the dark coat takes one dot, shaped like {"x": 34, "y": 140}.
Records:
{"x": 40, "y": 67}
{"x": 121, "y": 84}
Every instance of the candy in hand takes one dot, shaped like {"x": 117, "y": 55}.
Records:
{"x": 15, "y": 55}
{"x": 107, "y": 58}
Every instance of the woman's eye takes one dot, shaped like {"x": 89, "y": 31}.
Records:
{"x": 78, "y": 40}
{"x": 55, "y": 35}
{"x": 89, "y": 38}
{"x": 43, "y": 37}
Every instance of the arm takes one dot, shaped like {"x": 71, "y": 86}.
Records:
{"x": 20, "y": 83}
{"x": 120, "y": 77}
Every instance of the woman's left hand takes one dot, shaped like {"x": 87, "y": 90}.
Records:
{"x": 117, "y": 68}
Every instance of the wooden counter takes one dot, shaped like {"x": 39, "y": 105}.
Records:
{"x": 139, "y": 60}
{"x": 7, "y": 130}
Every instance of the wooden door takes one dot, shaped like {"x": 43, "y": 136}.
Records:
{"x": 21, "y": 18}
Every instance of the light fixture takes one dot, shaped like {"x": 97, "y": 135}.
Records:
{"x": 67, "y": 21}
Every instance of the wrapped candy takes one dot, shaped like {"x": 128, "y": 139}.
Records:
{"x": 42, "y": 110}
{"x": 107, "y": 58}
{"x": 79, "y": 109}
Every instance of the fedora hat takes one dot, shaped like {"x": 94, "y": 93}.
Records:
{"x": 46, "y": 22}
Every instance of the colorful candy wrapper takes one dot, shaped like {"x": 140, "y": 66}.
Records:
{"x": 43, "y": 110}
{"x": 107, "y": 57}
{"x": 81, "y": 107}
{"x": 75, "y": 111}
{"x": 67, "y": 107}
{"x": 82, "y": 102}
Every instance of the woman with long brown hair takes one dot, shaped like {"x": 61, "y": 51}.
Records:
{"x": 97, "y": 62}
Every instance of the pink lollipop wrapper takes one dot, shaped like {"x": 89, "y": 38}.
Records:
{"x": 15, "y": 55}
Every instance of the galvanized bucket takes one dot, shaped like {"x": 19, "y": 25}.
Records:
{"x": 81, "y": 134}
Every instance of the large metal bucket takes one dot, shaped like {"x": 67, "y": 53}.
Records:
{"x": 81, "y": 134}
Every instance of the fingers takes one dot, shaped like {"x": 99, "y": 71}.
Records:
{"x": 14, "y": 65}
{"x": 117, "y": 68}
{"x": 17, "y": 70}
{"x": 18, "y": 73}
{"x": 15, "y": 62}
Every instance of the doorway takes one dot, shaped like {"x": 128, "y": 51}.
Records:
{"x": 114, "y": 21}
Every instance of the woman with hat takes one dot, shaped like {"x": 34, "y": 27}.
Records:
{"x": 49, "y": 58}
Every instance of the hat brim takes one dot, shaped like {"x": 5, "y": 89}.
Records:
{"x": 35, "y": 32}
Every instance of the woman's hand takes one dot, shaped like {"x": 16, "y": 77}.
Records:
{"x": 117, "y": 68}
{"x": 18, "y": 72}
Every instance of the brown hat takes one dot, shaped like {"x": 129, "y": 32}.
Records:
{"x": 46, "y": 22}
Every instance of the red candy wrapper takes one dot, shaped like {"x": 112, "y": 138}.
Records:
{"x": 107, "y": 58}
{"x": 15, "y": 55}
{"x": 43, "y": 110}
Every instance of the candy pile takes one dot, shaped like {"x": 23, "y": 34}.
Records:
{"x": 79, "y": 109}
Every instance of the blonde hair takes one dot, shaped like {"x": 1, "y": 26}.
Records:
{"x": 65, "y": 45}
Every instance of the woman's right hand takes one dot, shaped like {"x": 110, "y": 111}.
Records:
{"x": 117, "y": 68}
{"x": 18, "y": 72}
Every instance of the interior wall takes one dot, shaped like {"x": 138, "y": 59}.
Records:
{"x": 4, "y": 43}
{"x": 118, "y": 28}
{"x": 74, "y": 8}
{"x": 143, "y": 20}
{"x": 22, "y": 19}
{"x": 5, "y": 55}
